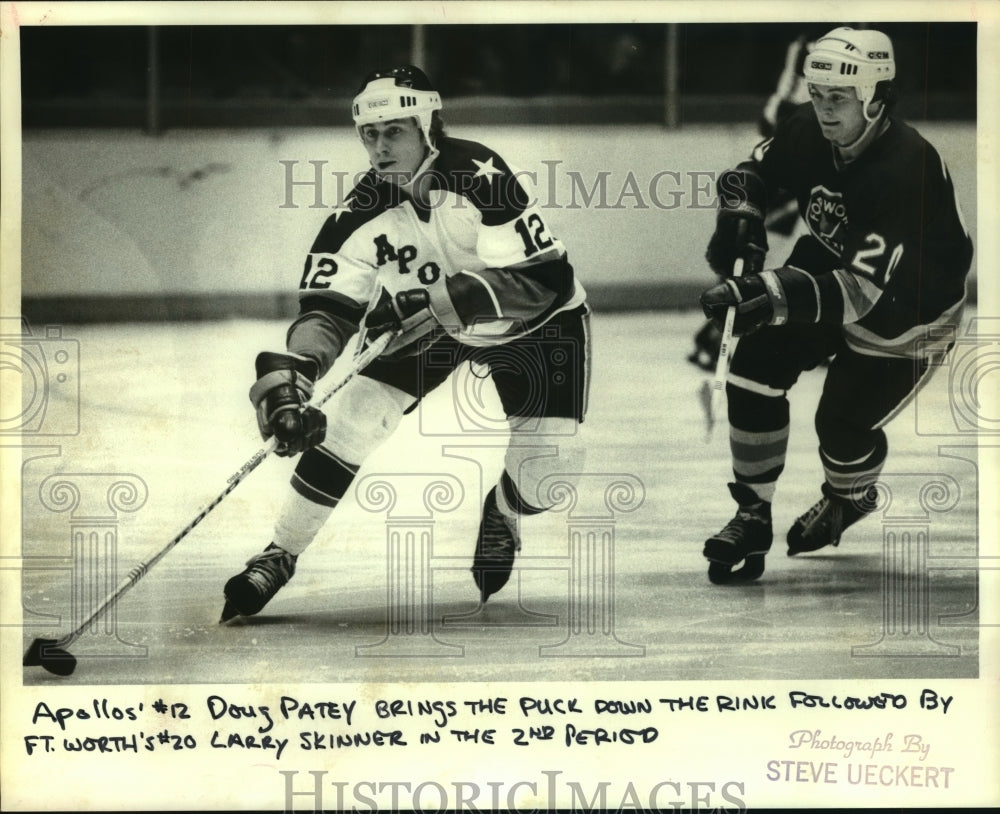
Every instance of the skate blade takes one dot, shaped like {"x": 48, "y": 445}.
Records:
{"x": 489, "y": 581}
{"x": 228, "y": 612}
{"x": 806, "y": 548}
{"x": 727, "y": 574}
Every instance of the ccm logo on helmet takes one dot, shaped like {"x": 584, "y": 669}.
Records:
{"x": 821, "y": 66}
{"x": 878, "y": 55}
{"x": 378, "y": 103}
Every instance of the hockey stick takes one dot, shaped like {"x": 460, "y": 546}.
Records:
{"x": 52, "y": 655}
{"x": 712, "y": 392}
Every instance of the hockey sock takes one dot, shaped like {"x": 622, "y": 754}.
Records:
{"x": 758, "y": 435}
{"x": 509, "y": 500}
{"x": 764, "y": 491}
{"x": 850, "y": 479}
{"x": 322, "y": 477}
{"x": 299, "y": 522}
{"x": 320, "y": 480}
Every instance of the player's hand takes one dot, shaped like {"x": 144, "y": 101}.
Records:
{"x": 284, "y": 386}
{"x": 737, "y": 235}
{"x": 391, "y": 312}
{"x": 750, "y": 297}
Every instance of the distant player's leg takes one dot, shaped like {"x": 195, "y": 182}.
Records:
{"x": 764, "y": 367}
{"x": 860, "y": 396}
{"x": 545, "y": 402}
{"x": 707, "y": 341}
{"x": 360, "y": 417}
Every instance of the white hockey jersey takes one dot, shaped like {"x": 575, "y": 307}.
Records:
{"x": 478, "y": 244}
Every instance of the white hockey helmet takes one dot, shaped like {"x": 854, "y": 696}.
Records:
{"x": 857, "y": 58}
{"x": 396, "y": 93}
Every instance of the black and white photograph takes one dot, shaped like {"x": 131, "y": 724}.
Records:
{"x": 498, "y": 406}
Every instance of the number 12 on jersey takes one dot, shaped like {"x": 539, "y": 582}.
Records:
{"x": 533, "y": 234}
{"x": 318, "y": 269}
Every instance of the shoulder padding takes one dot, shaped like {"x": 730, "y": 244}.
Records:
{"x": 482, "y": 176}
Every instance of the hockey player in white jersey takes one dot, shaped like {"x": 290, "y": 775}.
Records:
{"x": 441, "y": 244}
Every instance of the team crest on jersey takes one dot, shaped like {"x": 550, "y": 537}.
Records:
{"x": 406, "y": 259}
{"x": 826, "y": 216}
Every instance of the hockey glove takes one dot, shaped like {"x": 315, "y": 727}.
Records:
{"x": 739, "y": 227}
{"x": 737, "y": 235}
{"x": 284, "y": 386}
{"x": 397, "y": 313}
{"x": 756, "y": 299}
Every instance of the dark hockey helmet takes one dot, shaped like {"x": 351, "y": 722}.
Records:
{"x": 396, "y": 93}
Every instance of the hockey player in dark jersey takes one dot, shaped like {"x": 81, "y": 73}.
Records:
{"x": 440, "y": 244}
{"x": 879, "y": 281}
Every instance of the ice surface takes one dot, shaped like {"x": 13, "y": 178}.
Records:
{"x": 166, "y": 405}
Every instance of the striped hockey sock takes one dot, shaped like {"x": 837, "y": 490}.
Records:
{"x": 320, "y": 480}
{"x": 851, "y": 480}
{"x": 322, "y": 477}
{"x": 758, "y": 435}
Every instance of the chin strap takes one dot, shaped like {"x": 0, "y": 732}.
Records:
{"x": 410, "y": 187}
{"x": 876, "y": 127}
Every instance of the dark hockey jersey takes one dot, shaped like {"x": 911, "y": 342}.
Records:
{"x": 895, "y": 250}
{"x": 478, "y": 244}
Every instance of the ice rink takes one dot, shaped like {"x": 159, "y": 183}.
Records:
{"x": 612, "y": 587}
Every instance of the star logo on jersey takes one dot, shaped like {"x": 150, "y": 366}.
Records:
{"x": 826, "y": 216}
{"x": 344, "y": 207}
{"x": 486, "y": 168}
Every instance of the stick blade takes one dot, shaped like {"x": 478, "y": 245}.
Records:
{"x": 45, "y": 653}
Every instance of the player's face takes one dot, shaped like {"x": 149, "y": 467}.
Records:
{"x": 840, "y": 113}
{"x": 395, "y": 148}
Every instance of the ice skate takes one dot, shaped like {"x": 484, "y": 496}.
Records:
{"x": 746, "y": 538}
{"x": 495, "y": 549}
{"x": 826, "y": 521}
{"x": 250, "y": 590}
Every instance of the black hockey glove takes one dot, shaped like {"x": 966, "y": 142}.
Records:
{"x": 390, "y": 313}
{"x": 737, "y": 235}
{"x": 284, "y": 386}
{"x": 753, "y": 298}
{"x": 739, "y": 227}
